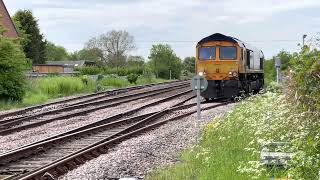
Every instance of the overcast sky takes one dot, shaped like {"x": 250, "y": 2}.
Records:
{"x": 270, "y": 25}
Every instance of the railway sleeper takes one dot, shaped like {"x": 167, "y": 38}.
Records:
{"x": 79, "y": 160}
{"x": 62, "y": 169}
{"x": 71, "y": 165}
{"x": 95, "y": 153}
{"x": 102, "y": 150}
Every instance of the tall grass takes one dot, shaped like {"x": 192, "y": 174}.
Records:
{"x": 64, "y": 86}
{"x": 119, "y": 82}
{"x": 230, "y": 146}
{"x": 114, "y": 82}
{"x": 48, "y": 88}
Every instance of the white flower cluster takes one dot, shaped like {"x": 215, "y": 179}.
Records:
{"x": 270, "y": 118}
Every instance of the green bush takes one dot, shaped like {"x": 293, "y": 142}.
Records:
{"x": 90, "y": 70}
{"x": 123, "y": 71}
{"x": 132, "y": 78}
{"x": 100, "y": 77}
{"x": 12, "y": 66}
{"x": 304, "y": 84}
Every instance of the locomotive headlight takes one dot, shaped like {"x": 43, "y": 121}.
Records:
{"x": 235, "y": 74}
{"x": 200, "y": 73}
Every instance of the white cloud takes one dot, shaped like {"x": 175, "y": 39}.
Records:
{"x": 71, "y": 23}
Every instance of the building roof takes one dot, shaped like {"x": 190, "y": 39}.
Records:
{"x": 6, "y": 22}
{"x": 66, "y": 63}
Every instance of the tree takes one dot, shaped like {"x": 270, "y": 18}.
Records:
{"x": 269, "y": 65}
{"x": 93, "y": 54}
{"x": 115, "y": 45}
{"x": 23, "y": 36}
{"x": 12, "y": 66}
{"x": 35, "y": 45}
{"x": 163, "y": 60}
{"x": 135, "y": 61}
{"x": 56, "y": 53}
{"x": 189, "y": 64}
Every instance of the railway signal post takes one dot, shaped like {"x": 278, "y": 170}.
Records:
{"x": 199, "y": 84}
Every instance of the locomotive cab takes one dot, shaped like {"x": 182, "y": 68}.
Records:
{"x": 228, "y": 65}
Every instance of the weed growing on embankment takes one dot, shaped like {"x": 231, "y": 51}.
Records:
{"x": 231, "y": 146}
{"x": 45, "y": 89}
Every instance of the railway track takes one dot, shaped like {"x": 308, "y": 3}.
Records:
{"x": 21, "y": 123}
{"x": 81, "y": 99}
{"x": 52, "y": 157}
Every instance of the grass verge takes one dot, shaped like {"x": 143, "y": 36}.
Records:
{"x": 47, "y": 89}
{"x": 230, "y": 146}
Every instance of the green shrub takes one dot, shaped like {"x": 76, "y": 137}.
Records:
{"x": 124, "y": 71}
{"x": 100, "y": 77}
{"x": 90, "y": 70}
{"x": 304, "y": 79}
{"x": 132, "y": 78}
{"x": 12, "y": 66}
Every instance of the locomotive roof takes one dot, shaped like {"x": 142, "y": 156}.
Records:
{"x": 222, "y": 37}
{"x": 218, "y": 37}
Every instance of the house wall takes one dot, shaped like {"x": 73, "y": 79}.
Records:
{"x": 6, "y": 22}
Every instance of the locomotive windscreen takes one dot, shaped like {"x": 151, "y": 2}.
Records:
{"x": 207, "y": 53}
{"x": 228, "y": 53}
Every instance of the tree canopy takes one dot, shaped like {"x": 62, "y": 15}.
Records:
{"x": 55, "y": 52}
{"x": 12, "y": 66}
{"x": 93, "y": 54}
{"x": 33, "y": 44}
{"x": 269, "y": 65}
{"x": 163, "y": 60}
{"x": 189, "y": 64}
{"x": 115, "y": 45}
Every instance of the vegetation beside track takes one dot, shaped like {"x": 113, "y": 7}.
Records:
{"x": 47, "y": 89}
{"x": 231, "y": 146}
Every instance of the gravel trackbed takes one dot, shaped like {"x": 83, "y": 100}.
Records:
{"x": 153, "y": 150}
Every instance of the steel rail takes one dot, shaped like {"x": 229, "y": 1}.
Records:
{"x": 37, "y": 147}
{"x": 14, "y": 121}
{"x": 24, "y": 152}
{"x": 108, "y": 92}
{"x": 69, "y": 162}
{"x": 66, "y": 116}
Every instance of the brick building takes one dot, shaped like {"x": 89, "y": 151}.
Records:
{"x": 6, "y": 22}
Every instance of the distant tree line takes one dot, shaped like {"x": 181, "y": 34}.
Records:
{"x": 110, "y": 49}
